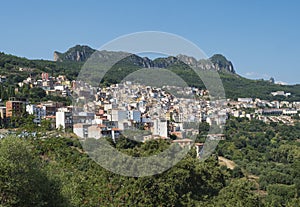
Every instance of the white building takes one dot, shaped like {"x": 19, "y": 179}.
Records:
{"x": 280, "y": 93}
{"x": 245, "y": 100}
{"x": 64, "y": 118}
{"x": 289, "y": 112}
{"x": 59, "y": 88}
{"x": 81, "y": 129}
{"x": 2, "y": 112}
{"x": 38, "y": 111}
{"x": 160, "y": 127}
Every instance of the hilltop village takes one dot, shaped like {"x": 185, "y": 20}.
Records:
{"x": 157, "y": 113}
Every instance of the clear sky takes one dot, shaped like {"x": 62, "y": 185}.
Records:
{"x": 260, "y": 37}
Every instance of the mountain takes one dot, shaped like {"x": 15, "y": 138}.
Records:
{"x": 17, "y": 69}
{"x": 220, "y": 62}
{"x": 81, "y": 53}
{"x": 78, "y": 53}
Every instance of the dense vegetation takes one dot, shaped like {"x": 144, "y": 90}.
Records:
{"x": 268, "y": 153}
{"x": 235, "y": 85}
{"x": 10, "y": 67}
{"x": 266, "y": 172}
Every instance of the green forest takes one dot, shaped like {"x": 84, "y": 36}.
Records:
{"x": 52, "y": 169}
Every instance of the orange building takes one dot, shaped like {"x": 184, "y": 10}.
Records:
{"x": 14, "y": 108}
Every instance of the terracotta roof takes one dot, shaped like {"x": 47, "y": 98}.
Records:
{"x": 51, "y": 117}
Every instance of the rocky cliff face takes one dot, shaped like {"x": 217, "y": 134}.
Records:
{"x": 56, "y": 56}
{"x": 216, "y": 62}
{"x": 220, "y": 62}
{"x": 82, "y": 53}
{"x": 78, "y": 54}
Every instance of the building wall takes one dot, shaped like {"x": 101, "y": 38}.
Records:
{"x": 14, "y": 108}
{"x": 118, "y": 115}
{"x": 134, "y": 115}
{"x": 2, "y": 112}
{"x": 38, "y": 111}
{"x": 64, "y": 119}
{"x": 81, "y": 130}
{"x": 94, "y": 132}
{"x": 160, "y": 127}
{"x": 60, "y": 119}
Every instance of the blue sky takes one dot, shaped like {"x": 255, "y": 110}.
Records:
{"x": 260, "y": 37}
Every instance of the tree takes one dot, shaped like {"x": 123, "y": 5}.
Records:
{"x": 239, "y": 193}
{"x": 280, "y": 194}
{"x": 237, "y": 172}
{"x": 22, "y": 182}
{"x": 37, "y": 93}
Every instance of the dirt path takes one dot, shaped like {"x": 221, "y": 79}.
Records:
{"x": 228, "y": 163}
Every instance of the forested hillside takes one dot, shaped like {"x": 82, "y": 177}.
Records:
{"x": 17, "y": 69}
{"x": 266, "y": 171}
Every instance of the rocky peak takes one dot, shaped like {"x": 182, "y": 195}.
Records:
{"x": 78, "y": 53}
{"x": 217, "y": 62}
{"x": 82, "y": 53}
{"x": 221, "y": 63}
{"x": 187, "y": 59}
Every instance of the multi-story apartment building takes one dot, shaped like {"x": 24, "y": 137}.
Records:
{"x": 15, "y": 108}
